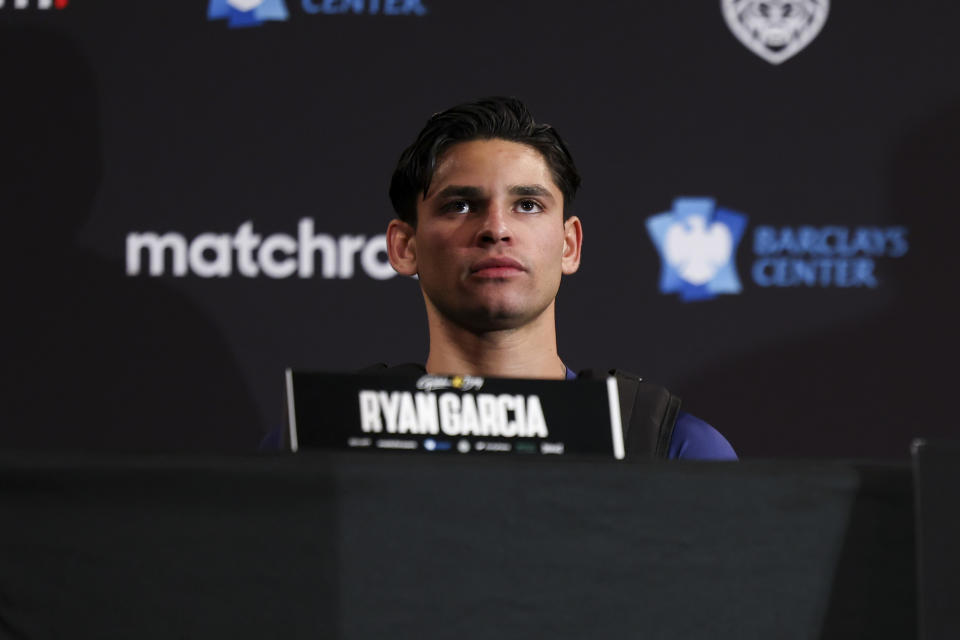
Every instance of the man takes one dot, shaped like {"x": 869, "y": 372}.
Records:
{"x": 483, "y": 200}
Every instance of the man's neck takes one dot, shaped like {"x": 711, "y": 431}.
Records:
{"x": 529, "y": 351}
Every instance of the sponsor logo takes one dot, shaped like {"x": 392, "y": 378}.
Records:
{"x": 249, "y": 254}
{"x": 554, "y": 448}
{"x": 246, "y": 13}
{"x": 253, "y": 13}
{"x": 500, "y": 447}
{"x": 464, "y": 383}
{"x": 463, "y": 446}
{"x": 436, "y": 445}
{"x": 34, "y": 4}
{"x": 369, "y": 7}
{"x": 396, "y": 444}
{"x": 697, "y": 243}
{"x": 452, "y": 414}
{"x": 775, "y": 30}
{"x": 830, "y": 256}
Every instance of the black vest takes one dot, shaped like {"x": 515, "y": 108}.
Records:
{"x": 647, "y": 410}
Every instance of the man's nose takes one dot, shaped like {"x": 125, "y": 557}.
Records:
{"x": 494, "y": 225}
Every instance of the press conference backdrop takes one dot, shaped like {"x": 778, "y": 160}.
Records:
{"x": 194, "y": 197}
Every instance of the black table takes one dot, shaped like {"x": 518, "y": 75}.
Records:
{"x": 394, "y": 546}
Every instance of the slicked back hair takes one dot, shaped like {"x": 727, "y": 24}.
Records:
{"x": 489, "y": 118}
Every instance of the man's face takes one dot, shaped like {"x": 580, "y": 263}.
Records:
{"x": 491, "y": 243}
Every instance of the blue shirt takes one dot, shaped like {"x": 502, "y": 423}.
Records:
{"x": 693, "y": 439}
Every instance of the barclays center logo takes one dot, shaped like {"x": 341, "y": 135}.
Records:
{"x": 246, "y": 13}
{"x": 253, "y": 13}
{"x": 697, "y": 243}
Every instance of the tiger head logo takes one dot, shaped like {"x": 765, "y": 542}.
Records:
{"x": 775, "y": 29}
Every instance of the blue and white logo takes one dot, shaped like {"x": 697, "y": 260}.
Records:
{"x": 246, "y": 13}
{"x": 436, "y": 445}
{"x": 697, "y": 243}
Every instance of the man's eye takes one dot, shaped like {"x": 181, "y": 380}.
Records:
{"x": 457, "y": 206}
{"x": 529, "y": 206}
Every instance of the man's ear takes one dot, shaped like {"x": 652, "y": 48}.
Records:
{"x": 402, "y": 247}
{"x": 572, "y": 243}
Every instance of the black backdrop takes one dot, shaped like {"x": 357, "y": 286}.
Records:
{"x": 122, "y": 118}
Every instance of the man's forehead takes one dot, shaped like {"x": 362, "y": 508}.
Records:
{"x": 526, "y": 166}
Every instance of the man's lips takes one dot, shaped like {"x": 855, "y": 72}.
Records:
{"x": 496, "y": 268}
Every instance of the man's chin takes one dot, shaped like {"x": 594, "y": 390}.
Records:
{"x": 483, "y": 315}
{"x": 487, "y": 319}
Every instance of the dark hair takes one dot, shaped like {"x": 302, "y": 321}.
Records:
{"x": 496, "y": 117}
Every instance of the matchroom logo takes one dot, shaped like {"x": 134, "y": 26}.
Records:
{"x": 697, "y": 243}
{"x": 249, "y": 254}
{"x": 246, "y": 13}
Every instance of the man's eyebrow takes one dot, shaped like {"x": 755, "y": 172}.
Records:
{"x": 530, "y": 190}
{"x": 460, "y": 191}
